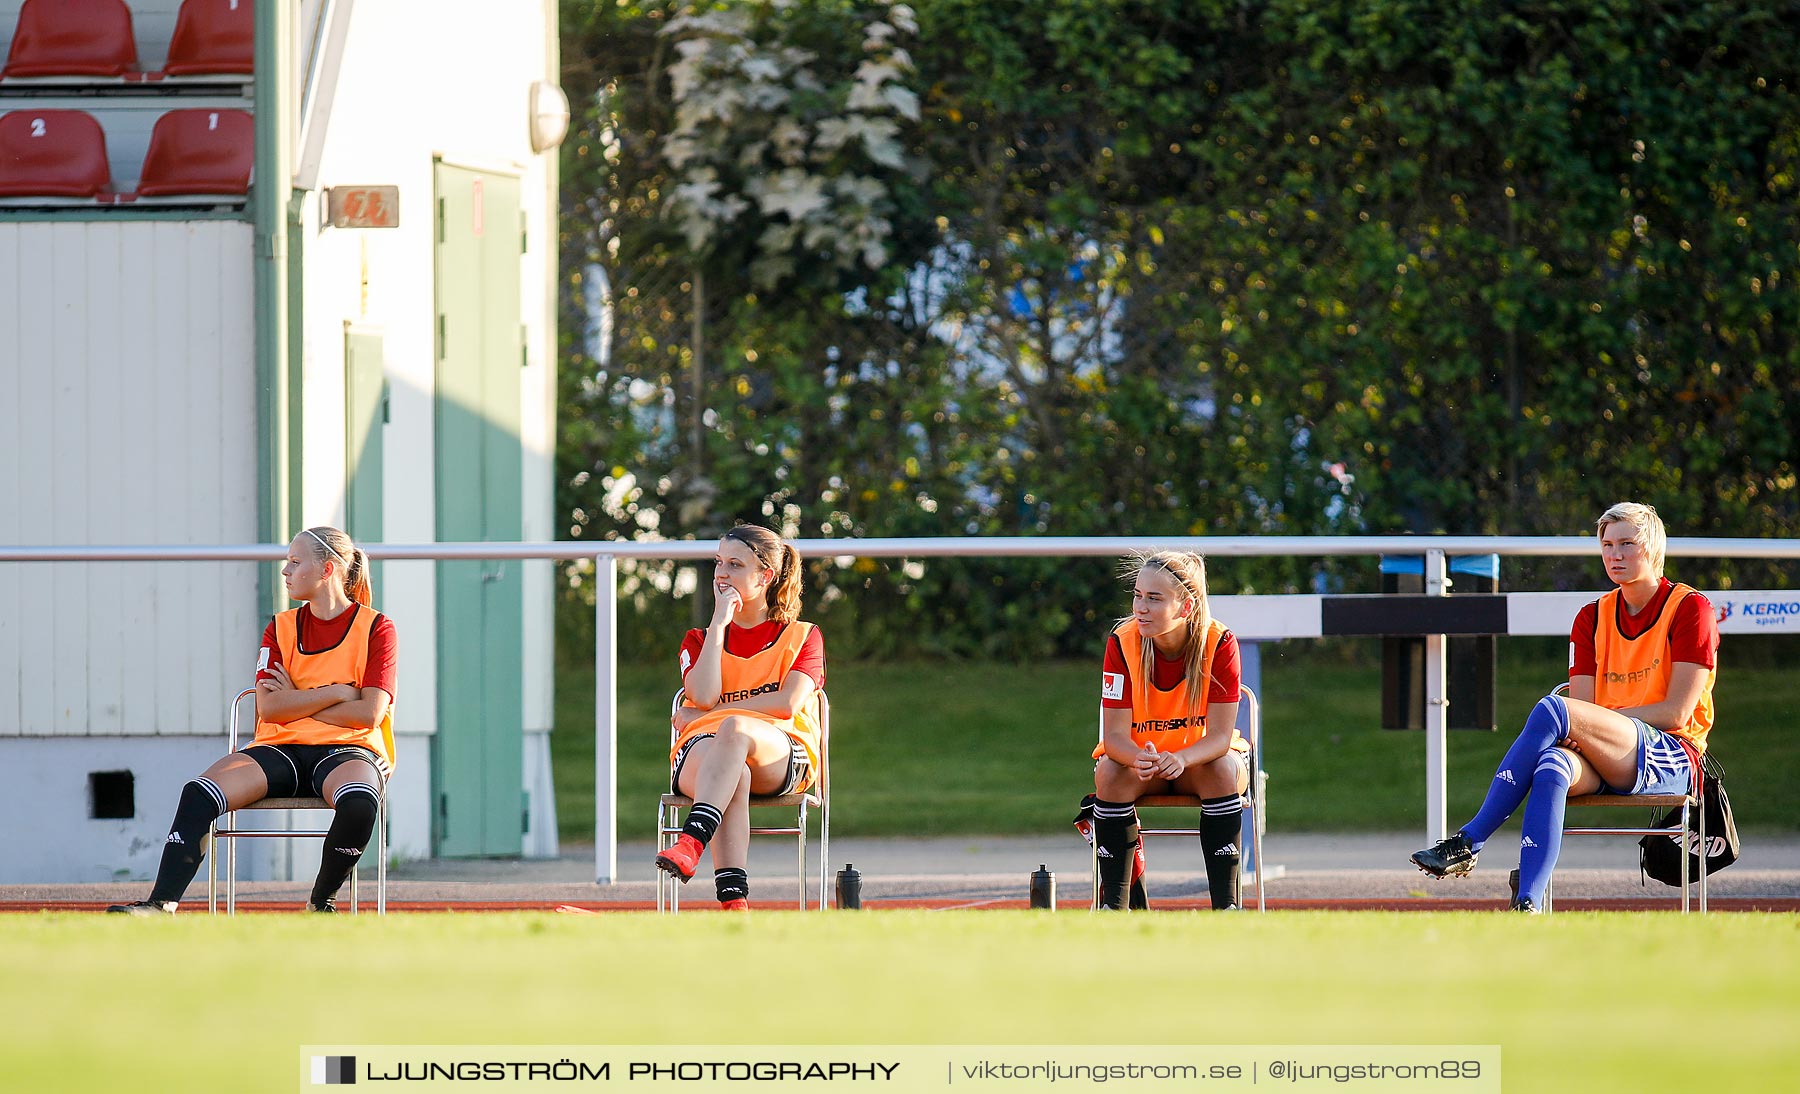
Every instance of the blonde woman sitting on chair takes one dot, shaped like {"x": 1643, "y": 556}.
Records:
{"x": 1642, "y": 660}
{"x": 748, "y": 724}
{"x": 324, "y": 722}
{"x": 1169, "y": 701}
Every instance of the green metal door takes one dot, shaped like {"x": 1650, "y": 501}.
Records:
{"x": 478, "y": 764}
{"x": 365, "y": 416}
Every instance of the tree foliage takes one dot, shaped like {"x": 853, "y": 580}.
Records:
{"x": 1147, "y": 267}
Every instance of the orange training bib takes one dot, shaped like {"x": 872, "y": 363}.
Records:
{"x": 343, "y": 663}
{"x": 759, "y": 674}
{"x": 1635, "y": 672}
{"x": 1162, "y": 716}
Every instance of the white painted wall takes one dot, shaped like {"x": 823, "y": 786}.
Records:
{"x": 127, "y": 404}
{"x": 127, "y": 415}
{"x": 451, "y": 83}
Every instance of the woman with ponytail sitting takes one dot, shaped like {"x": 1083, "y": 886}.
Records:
{"x": 324, "y": 722}
{"x": 749, "y": 721}
{"x": 1169, "y": 701}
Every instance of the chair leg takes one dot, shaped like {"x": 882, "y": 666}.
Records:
{"x": 800, "y": 842}
{"x": 381, "y": 854}
{"x": 824, "y": 849}
{"x": 231, "y": 876}
{"x": 1256, "y": 846}
{"x": 666, "y": 894}
{"x": 1094, "y": 873}
{"x": 1701, "y": 805}
{"x": 1684, "y": 859}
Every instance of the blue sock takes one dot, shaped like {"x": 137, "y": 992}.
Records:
{"x": 1542, "y": 839}
{"x": 1547, "y": 727}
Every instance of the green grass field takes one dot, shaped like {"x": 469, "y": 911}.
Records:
{"x": 922, "y": 747}
{"x": 1577, "y": 1002}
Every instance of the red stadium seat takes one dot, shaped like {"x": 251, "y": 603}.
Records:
{"x": 72, "y": 38}
{"x": 52, "y": 153}
{"x": 199, "y": 152}
{"x": 212, "y": 37}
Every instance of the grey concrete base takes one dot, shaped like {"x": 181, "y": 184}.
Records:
{"x": 46, "y": 804}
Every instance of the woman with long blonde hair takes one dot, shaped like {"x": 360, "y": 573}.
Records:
{"x": 324, "y": 722}
{"x": 1169, "y": 702}
{"x": 748, "y": 723}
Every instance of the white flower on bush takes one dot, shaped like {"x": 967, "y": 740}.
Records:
{"x": 761, "y": 125}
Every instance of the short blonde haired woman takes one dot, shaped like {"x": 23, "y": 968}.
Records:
{"x": 1642, "y": 661}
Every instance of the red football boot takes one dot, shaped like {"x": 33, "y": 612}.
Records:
{"x": 682, "y": 859}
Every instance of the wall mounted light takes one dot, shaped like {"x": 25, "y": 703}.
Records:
{"x": 549, "y": 115}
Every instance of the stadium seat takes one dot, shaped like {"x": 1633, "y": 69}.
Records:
{"x": 199, "y": 152}
{"x": 212, "y": 37}
{"x": 52, "y": 153}
{"x": 225, "y": 828}
{"x": 1250, "y": 725}
{"x": 72, "y": 38}
{"x": 668, "y": 817}
{"x": 1685, "y": 802}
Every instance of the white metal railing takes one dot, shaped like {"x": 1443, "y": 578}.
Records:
{"x": 942, "y": 547}
{"x": 607, "y": 554}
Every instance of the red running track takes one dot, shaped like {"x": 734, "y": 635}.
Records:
{"x": 1376, "y": 904}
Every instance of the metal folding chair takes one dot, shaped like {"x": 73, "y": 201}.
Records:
{"x": 1687, "y": 803}
{"x": 225, "y": 828}
{"x": 1250, "y": 725}
{"x": 818, "y": 796}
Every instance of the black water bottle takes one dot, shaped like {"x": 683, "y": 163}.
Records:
{"x": 1043, "y": 888}
{"x": 849, "y": 887}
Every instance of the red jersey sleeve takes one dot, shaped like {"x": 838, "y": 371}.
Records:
{"x": 269, "y": 656}
{"x": 1694, "y": 634}
{"x": 1581, "y": 640}
{"x": 1115, "y": 676}
{"x": 690, "y": 651}
{"x": 1227, "y": 671}
{"x": 811, "y": 659}
{"x": 383, "y": 667}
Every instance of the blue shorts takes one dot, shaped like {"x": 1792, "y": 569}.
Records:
{"x": 1663, "y": 766}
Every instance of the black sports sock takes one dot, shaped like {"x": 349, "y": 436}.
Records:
{"x": 202, "y": 802}
{"x": 1221, "y": 821}
{"x": 703, "y": 820}
{"x": 731, "y": 883}
{"x": 1115, "y": 842}
{"x": 352, "y": 825}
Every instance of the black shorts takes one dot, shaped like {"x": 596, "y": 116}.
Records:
{"x": 299, "y": 771}
{"x": 799, "y": 769}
